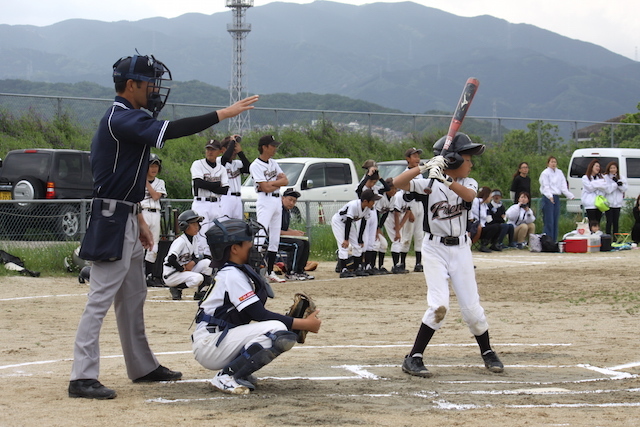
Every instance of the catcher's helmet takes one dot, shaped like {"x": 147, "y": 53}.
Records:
{"x": 187, "y": 217}
{"x": 461, "y": 144}
{"x": 153, "y": 158}
{"x": 225, "y": 233}
{"x": 148, "y": 69}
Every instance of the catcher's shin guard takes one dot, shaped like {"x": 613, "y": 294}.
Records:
{"x": 256, "y": 356}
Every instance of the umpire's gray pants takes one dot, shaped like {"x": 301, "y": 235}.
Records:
{"x": 122, "y": 283}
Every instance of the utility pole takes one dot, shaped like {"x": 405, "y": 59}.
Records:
{"x": 239, "y": 30}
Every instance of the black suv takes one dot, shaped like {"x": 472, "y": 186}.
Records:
{"x": 34, "y": 174}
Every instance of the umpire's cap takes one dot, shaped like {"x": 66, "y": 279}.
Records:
{"x": 223, "y": 234}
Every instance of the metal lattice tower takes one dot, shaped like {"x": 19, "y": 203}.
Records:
{"x": 238, "y": 30}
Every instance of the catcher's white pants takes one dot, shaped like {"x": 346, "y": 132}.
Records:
{"x": 209, "y": 211}
{"x": 269, "y": 214}
{"x": 442, "y": 263}
{"x": 191, "y": 278}
{"x": 337, "y": 226}
{"x": 153, "y": 221}
{"x": 235, "y": 342}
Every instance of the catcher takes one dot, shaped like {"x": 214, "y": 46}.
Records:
{"x": 235, "y": 332}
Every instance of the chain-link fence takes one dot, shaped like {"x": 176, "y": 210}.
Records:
{"x": 388, "y": 126}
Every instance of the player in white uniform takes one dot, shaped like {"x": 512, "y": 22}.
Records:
{"x": 268, "y": 178}
{"x": 210, "y": 182}
{"x": 395, "y": 226}
{"x": 384, "y": 207}
{"x": 234, "y": 331}
{"x": 413, "y": 228}
{"x": 447, "y": 249}
{"x": 343, "y": 225}
{"x": 154, "y": 191}
{"x": 182, "y": 269}
{"x": 236, "y": 163}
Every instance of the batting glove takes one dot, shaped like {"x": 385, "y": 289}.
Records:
{"x": 436, "y": 173}
{"x": 434, "y": 162}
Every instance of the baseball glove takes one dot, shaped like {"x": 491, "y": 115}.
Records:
{"x": 302, "y": 307}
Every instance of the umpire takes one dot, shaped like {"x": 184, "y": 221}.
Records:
{"x": 117, "y": 232}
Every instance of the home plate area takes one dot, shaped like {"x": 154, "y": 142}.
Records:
{"x": 460, "y": 381}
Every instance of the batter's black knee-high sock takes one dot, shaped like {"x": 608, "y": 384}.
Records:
{"x": 403, "y": 258}
{"x": 424, "y": 336}
{"x": 271, "y": 259}
{"x": 380, "y": 259}
{"x": 418, "y": 257}
{"x": 396, "y": 257}
{"x": 483, "y": 342}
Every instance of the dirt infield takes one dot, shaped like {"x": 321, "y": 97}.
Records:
{"x": 565, "y": 325}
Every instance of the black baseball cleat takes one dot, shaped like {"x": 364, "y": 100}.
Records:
{"x": 415, "y": 366}
{"x": 159, "y": 374}
{"x": 176, "y": 293}
{"x": 418, "y": 268}
{"x": 492, "y": 362}
{"x": 90, "y": 389}
{"x": 346, "y": 273}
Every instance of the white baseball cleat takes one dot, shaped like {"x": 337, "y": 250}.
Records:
{"x": 273, "y": 277}
{"x": 227, "y": 384}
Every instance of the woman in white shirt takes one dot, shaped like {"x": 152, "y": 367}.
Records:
{"x": 593, "y": 185}
{"x": 522, "y": 217}
{"x": 616, "y": 186}
{"x": 552, "y": 185}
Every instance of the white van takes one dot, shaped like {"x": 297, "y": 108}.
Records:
{"x": 628, "y": 160}
{"x": 330, "y": 181}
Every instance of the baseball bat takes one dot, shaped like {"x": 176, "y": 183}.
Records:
{"x": 459, "y": 114}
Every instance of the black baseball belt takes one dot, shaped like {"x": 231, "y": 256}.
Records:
{"x": 447, "y": 240}
{"x": 235, "y": 194}
{"x": 207, "y": 199}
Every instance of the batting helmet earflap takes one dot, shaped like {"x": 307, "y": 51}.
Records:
{"x": 187, "y": 217}
{"x": 153, "y": 158}
{"x": 461, "y": 144}
{"x": 223, "y": 234}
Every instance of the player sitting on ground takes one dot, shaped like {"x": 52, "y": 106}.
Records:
{"x": 447, "y": 249}
{"x": 234, "y": 331}
{"x": 181, "y": 267}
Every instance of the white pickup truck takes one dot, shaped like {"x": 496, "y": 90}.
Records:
{"x": 327, "y": 183}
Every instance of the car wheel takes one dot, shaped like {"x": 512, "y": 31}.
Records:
{"x": 68, "y": 222}
{"x": 27, "y": 188}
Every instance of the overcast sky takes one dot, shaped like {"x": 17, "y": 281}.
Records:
{"x": 612, "y": 24}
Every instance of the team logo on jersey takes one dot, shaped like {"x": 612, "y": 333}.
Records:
{"x": 270, "y": 174}
{"x": 247, "y": 296}
{"x": 211, "y": 178}
{"x": 233, "y": 174}
{"x": 443, "y": 210}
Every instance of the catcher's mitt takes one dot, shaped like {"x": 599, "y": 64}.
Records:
{"x": 302, "y": 307}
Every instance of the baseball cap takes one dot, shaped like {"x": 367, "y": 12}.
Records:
{"x": 368, "y": 195}
{"x": 291, "y": 192}
{"x": 214, "y": 144}
{"x": 268, "y": 140}
{"x": 412, "y": 151}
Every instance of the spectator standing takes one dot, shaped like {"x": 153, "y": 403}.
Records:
{"x": 521, "y": 181}
{"x": 616, "y": 186}
{"x": 635, "y": 231}
{"x": 593, "y": 185}
{"x": 552, "y": 185}
{"x": 522, "y": 217}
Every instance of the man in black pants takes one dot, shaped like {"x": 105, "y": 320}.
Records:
{"x": 294, "y": 242}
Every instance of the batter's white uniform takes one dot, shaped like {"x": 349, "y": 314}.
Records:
{"x": 401, "y": 206}
{"x": 268, "y": 205}
{"x": 443, "y": 260}
{"x": 151, "y": 214}
{"x": 207, "y": 203}
{"x": 353, "y": 210}
{"x": 184, "y": 250}
{"x": 232, "y": 293}
{"x": 231, "y": 202}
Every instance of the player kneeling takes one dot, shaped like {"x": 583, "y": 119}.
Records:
{"x": 225, "y": 337}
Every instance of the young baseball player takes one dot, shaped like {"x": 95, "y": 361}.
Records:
{"x": 384, "y": 207}
{"x": 154, "y": 191}
{"x": 447, "y": 249}
{"x": 268, "y": 178}
{"x": 343, "y": 224}
{"x": 234, "y": 331}
{"x": 182, "y": 269}
{"x": 395, "y": 226}
{"x": 413, "y": 227}
{"x": 236, "y": 163}
{"x": 210, "y": 183}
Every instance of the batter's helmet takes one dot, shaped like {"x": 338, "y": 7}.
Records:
{"x": 147, "y": 69}
{"x": 187, "y": 217}
{"x": 225, "y": 233}
{"x": 153, "y": 158}
{"x": 461, "y": 144}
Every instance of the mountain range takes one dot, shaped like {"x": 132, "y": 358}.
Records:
{"x": 402, "y": 56}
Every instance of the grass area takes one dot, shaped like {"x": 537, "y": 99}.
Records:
{"x": 49, "y": 260}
